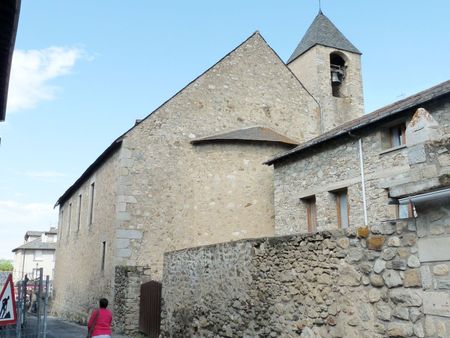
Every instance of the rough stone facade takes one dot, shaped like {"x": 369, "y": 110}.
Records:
{"x": 159, "y": 192}
{"x": 79, "y": 278}
{"x": 313, "y": 69}
{"x": 363, "y": 282}
{"x": 335, "y": 165}
{"x": 127, "y": 283}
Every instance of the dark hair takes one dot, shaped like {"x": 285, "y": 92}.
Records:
{"x": 103, "y": 303}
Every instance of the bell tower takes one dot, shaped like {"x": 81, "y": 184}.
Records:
{"x": 329, "y": 66}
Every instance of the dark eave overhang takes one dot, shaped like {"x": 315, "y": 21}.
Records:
{"x": 388, "y": 112}
{"x": 9, "y": 18}
{"x": 90, "y": 170}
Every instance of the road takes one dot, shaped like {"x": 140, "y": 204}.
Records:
{"x": 57, "y": 328}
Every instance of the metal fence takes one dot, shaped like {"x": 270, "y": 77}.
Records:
{"x": 32, "y": 298}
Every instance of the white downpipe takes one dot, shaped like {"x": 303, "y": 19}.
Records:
{"x": 363, "y": 182}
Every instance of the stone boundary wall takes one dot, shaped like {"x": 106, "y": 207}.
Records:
{"x": 361, "y": 282}
{"x": 128, "y": 280}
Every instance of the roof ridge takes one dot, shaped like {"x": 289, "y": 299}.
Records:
{"x": 322, "y": 31}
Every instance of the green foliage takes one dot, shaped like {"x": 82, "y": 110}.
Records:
{"x": 5, "y": 265}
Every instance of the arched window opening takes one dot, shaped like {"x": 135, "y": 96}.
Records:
{"x": 337, "y": 68}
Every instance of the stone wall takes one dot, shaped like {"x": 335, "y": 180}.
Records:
{"x": 313, "y": 69}
{"x": 127, "y": 283}
{"x": 80, "y": 280}
{"x": 336, "y": 165}
{"x": 364, "y": 282}
{"x": 174, "y": 194}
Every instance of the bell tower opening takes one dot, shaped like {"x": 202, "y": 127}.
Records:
{"x": 337, "y": 70}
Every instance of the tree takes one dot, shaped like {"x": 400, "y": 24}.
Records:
{"x": 5, "y": 265}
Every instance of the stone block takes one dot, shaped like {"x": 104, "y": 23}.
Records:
{"x": 413, "y": 261}
{"x": 406, "y": 297}
{"x": 375, "y": 242}
{"x": 362, "y": 232}
{"x": 434, "y": 249}
{"x": 427, "y": 278}
{"x": 122, "y": 243}
{"x": 417, "y": 154}
{"x": 376, "y": 280}
{"x": 123, "y": 253}
{"x": 394, "y": 241}
{"x": 392, "y": 278}
{"x": 129, "y": 234}
{"x": 399, "y": 329}
{"x": 440, "y": 270}
{"x": 379, "y": 266}
{"x": 412, "y": 278}
{"x": 436, "y": 303}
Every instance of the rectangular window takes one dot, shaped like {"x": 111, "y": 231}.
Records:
{"x": 405, "y": 211}
{"x": 311, "y": 212}
{"x": 79, "y": 213}
{"x": 103, "y": 255}
{"x": 38, "y": 255}
{"x": 397, "y": 135}
{"x": 342, "y": 208}
{"x": 91, "y": 204}
{"x": 68, "y": 221}
{"x": 61, "y": 222}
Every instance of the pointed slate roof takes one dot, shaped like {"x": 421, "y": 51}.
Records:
{"x": 257, "y": 133}
{"x": 322, "y": 32}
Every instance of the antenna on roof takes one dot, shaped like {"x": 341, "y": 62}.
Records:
{"x": 320, "y": 7}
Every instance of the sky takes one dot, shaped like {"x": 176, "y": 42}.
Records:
{"x": 83, "y": 72}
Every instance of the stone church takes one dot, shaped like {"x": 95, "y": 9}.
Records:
{"x": 191, "y": 173}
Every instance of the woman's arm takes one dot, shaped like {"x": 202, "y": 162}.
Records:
{"x": 91, "y": 320}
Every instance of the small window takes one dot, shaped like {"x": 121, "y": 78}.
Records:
{"x": 61, "y": 222}
{"x": 342, "y": 208}
{"x": 405, "y": 211}
{"x": 397, "y": 135}
{"x": 311, "y": 212}
{"x": 79, "y": 213}
{"x": 70, "y": 217}
{"x": 38, "y": 255}
{"x": 103, "y": 255}
{"x": 91, "y": 204}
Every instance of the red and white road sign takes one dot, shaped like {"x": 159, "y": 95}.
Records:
{"x": 8, "y": 303}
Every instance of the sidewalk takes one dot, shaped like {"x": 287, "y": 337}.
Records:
{"x": 58, "y": 328}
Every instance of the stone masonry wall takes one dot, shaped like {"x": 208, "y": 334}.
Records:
{"x": 173, "y": 194}
{"x": 313, "y": 69}
{"x": 80, "y": 280}
{"x": 336, "y": 165}
{"x": 127, "y": 283}
{"x": 361, "y": 282}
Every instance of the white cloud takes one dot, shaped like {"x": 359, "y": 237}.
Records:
{"x": 44, "y": 174}
{"x": 31, "y": 72}
{"x": 16, "y": 218}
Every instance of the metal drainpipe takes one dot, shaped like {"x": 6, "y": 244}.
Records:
{"x": 363, "y": 182}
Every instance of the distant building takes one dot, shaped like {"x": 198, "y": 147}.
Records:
{"x": 9, "y": 14}
{"x": 38, "y": 251}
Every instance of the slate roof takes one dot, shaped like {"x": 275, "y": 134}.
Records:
{"x": 9, "y": 17}
{"x": 364, "y": 121}
{"x": 322, "y": 32}
{"x": 257, "y": 133}
{"x": 36, "y": 245}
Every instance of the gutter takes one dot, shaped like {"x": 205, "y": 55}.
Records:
{"x": 434, "y": 196}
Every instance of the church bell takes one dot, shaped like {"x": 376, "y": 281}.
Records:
{"x": 335, "y": 77}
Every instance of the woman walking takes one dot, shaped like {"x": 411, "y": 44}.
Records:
{"x": 99, "y": 325}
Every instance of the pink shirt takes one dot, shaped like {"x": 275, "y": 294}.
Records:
{"x": 103, "y": 323}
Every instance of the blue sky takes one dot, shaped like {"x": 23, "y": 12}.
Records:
{"x": 84, "y": 71}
